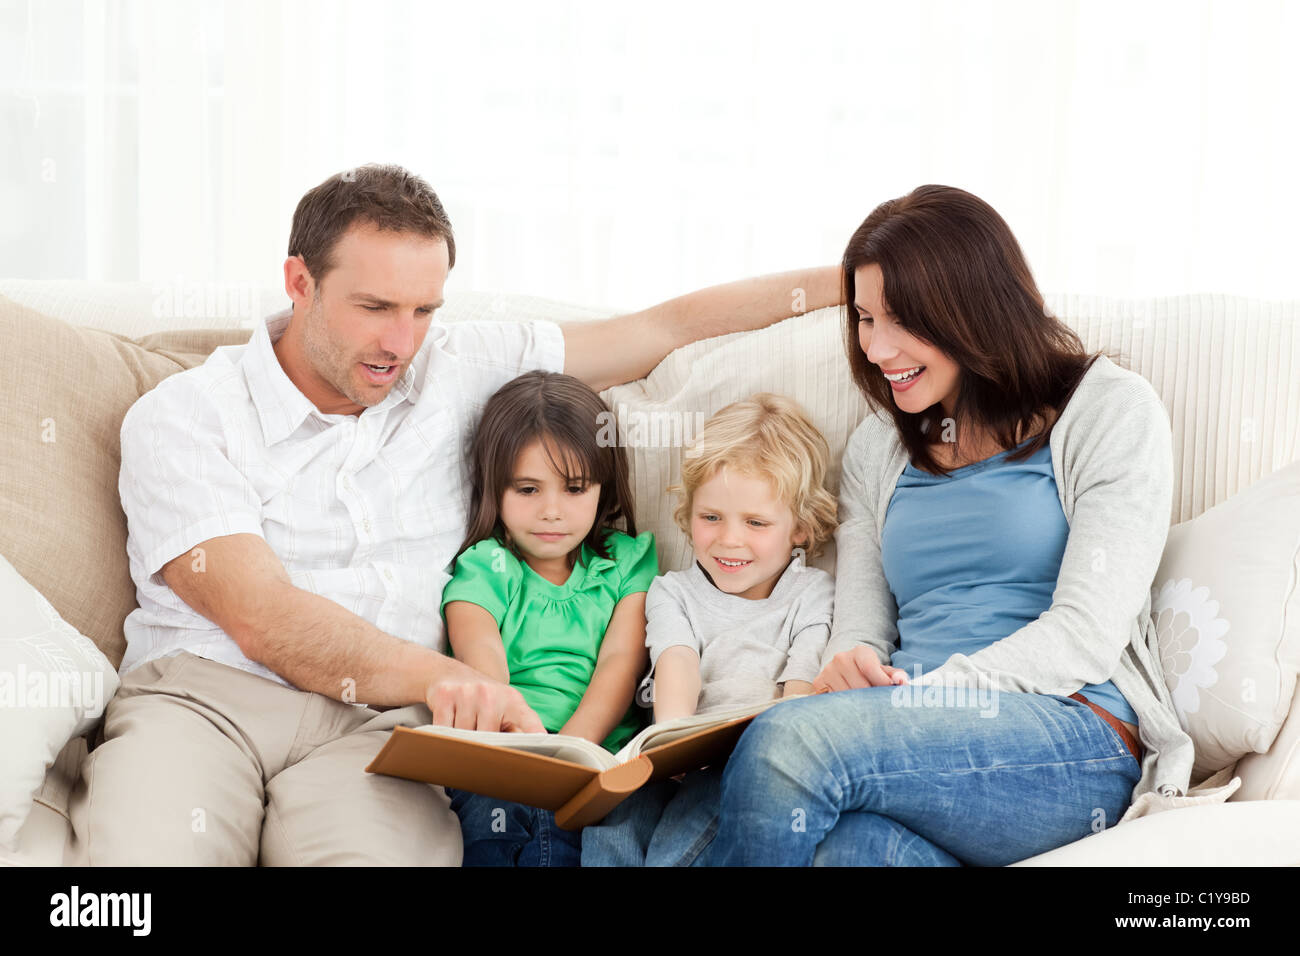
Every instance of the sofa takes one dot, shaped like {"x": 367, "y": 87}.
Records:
{"x": 1226, "y": 599}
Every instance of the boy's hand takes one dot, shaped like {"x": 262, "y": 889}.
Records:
{"x": 470, "y": 701}
{"x": 859, "y": 667}
{"x": 795, "y": 688}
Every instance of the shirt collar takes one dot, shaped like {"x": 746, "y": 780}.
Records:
{"x": 785, "y": 581}
{"x": 281, "y": 405}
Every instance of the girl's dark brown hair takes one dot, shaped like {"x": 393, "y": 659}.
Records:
{"x": 579, "y": 437}
{"x": 955, "y": 277}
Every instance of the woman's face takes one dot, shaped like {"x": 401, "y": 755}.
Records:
{"x": 896, "y": 351}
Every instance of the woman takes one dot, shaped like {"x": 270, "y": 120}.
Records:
{"x": 1003, "y": 512}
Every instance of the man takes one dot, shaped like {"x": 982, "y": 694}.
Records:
{"x": 292, "y": 507}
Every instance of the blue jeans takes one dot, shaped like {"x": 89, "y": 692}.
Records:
{"x": 501, "y": 833}
{"x": 852, "y": 779}
{"x": 665, "y": 823}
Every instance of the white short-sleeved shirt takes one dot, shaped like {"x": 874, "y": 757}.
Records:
{"x": 366, "y": 510}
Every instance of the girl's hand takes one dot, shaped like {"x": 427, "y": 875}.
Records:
{"x": 859, "y": 667}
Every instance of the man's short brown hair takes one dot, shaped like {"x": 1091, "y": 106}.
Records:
{"x": 385, "y": 196}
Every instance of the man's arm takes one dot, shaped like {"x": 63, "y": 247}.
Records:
{"x": 625, "y": 348}
{"x": 318, "y": 645}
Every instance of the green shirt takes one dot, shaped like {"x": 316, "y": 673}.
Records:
{"x": 552, "y": 632}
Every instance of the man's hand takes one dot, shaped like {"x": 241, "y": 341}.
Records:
{"x": 464, "y": 698}
{"x": 859, "y": 667}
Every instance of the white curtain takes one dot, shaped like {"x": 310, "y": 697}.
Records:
{"x": 618, "y": 154}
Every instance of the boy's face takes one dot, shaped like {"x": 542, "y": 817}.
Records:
{"x": 742, "y": 535}
{"x": 547, "y": 516}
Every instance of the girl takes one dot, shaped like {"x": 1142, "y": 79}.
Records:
{"x": 547, "y": 594}
{"x": 747, "y": 622}
{"x": 1003, "y": 512}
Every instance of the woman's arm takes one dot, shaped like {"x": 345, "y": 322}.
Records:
{"x": 677, "y": 683}
{"x": 619, "y": 665}
{"x": 1119, "y": 459}
{"x": 864, "y": 629}
{"x": 476, "y": 640}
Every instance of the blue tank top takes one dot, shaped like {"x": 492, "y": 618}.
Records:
{"x": 973, "y": 557}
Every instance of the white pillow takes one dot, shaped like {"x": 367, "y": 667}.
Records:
{"x": 1226, "y": 604}
{"x": 802, "y": 357}
{"x": 54, "y": 685}
{"x": 1274, "y": 775}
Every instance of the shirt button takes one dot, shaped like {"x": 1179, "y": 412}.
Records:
{"x": 388, "y": 575}
{"x": 366, "y": 524}
{"x": 347, "y": 483}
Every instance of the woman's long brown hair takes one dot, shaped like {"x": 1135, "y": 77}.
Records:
{"x": 955, "y": 277}
{"x": 580, "y": 439}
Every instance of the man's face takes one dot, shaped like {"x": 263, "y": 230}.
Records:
{"x": 372, "y": 309}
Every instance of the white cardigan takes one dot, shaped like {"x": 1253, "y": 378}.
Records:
{"x": 1113, "y": 460}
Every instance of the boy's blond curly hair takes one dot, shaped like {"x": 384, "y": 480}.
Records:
{"x": 765, "y": 436}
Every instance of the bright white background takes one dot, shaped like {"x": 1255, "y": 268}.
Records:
{"x": 618, "y": 154}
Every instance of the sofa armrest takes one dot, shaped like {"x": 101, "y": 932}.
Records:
{"x": 1248, "y": 833}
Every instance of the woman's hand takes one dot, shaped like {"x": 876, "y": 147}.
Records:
{"x": 859, "y": 667}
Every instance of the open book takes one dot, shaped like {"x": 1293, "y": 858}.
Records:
{"x": 576, "y": 779}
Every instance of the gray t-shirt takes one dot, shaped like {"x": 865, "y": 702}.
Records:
{"x": 746, "y": 647}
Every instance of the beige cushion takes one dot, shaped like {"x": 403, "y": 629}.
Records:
{"x": 62, "y": 400}
{"x": 1227, "y": 611}
{"x": 48, "y": 830}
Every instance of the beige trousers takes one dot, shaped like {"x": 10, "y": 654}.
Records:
{"x": 205, "y": 764}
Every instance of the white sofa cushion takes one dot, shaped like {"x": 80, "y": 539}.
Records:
{"x": 1226, "y": 606}
{"x": 1216, "y": 834}
{"x": 1274, "y": 775}
{"x": 659, "y": 415}
{"x": 1228, "y": 371}
{"x": 54, "y": 684}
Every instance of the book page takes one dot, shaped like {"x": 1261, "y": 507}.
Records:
{"x": 656, "y": 735}
{"x": 561, "y": 747}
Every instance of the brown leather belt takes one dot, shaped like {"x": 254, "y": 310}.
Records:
{"x": 1129, "y": 741}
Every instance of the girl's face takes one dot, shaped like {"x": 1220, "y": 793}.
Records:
{"x": 742, "y": 535}
{"x": 896, "y": 351}
{"x": 547, "y": 516}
